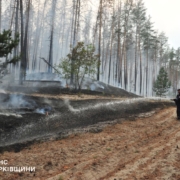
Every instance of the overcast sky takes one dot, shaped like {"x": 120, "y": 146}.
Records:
{"x": 166, "y": 17}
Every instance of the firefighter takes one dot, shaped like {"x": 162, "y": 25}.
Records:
{"x": 177, "y": 101}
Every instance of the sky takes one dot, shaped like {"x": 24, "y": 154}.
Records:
{"x": 166, "y": 17}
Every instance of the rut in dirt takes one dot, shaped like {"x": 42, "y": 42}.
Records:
{"x": 140, "y": 149}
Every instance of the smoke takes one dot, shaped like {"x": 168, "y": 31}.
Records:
{"x": 11, "y": 114}
{"x": 111, "y": 105}
{"x": 9, "y": 103}
{"x": 15, "y": 101}
{"x": 44, "y": 110}
{"x": 40, "y": 111}
{"x": 67, "y": 103}
{"x": 3, "y": 91}
{"x": 19, "y": 101}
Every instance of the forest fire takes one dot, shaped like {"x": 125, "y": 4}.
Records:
{"x": 25, "y": 118}
{"x": 75, "y": 67}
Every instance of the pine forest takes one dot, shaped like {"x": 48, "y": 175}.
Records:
{"x": 130, "y": 50}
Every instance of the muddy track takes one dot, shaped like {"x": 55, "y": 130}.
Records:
{"x": 147, "y": 148}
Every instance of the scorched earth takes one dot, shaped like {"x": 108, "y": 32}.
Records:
{"x": 147, "y": 148}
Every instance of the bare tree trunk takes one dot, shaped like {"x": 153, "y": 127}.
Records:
{"x": 41, "y": 31}
{"x": 15, "y": 53}
{"x": 99, "y": 45}
{"x": 77, "y": 6}
{"x": 112, "y": 39}
{"x": 51, "y": 51}
{"x": 119, "y": 59}
{"x": 124, "y": 48}
{"x": 0, "y": 14}
{"x": 13, "y": 13}
{"x": 25, "y": 54}
{"x": 52, "y": 36}
{"x": 37, "y": 37}
{"x": 135, "y": 70}
{"x": 63, "y": 27}
{"x": 103, "y": 52}
{"x": 106, "y": 56}
{"x": 22, "y": 65}
{"x": 140, "y": 68}
{"x": 125, "y": 70}
{"x": 147, "y": 66}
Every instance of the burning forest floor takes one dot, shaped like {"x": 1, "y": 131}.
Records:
{"x": 25, "y": 119}
{"x": 147, "y": 148}
{"x": 74, "y": 137}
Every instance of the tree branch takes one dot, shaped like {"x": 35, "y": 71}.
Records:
{"x": 50, "y": 65}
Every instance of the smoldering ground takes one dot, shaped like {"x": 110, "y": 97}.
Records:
{"x": 64, "y": 116}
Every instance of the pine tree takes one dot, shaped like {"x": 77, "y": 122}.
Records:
{"x": 6, "y": 46}
{"x": 162, "y": 84}
{"x": 7, "y": 43}
{"x": 139, "y": 19}
{"x": 148, "y": 39}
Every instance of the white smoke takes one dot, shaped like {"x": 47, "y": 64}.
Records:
{"x": 11, "y": 114}
{"x": 110, "y": 104}
{"x": 18, "y": 100}
{"x": 3, "y": 91}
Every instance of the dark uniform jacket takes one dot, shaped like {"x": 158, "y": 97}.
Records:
{"x": 177, "y": 101}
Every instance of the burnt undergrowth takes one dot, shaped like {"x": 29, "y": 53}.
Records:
{"x": 107, "y": 90}
{"x": 18, "y": 132}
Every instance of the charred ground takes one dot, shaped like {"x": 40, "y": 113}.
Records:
{"x": 64, "y": 116}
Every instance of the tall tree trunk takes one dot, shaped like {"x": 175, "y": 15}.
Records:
{"x": 111, "y": 45}
{"x": 125, "y": 70}
{"x": 51, "y": 51}
{"x": 52, "y": 37}
{"x": 103, "y": 52}
{"x": 99, "y": 45}
{"x": 40, "y": 33}
{"x": 63, "y": 28}
{"x": 75, "y": 27}
{"x": 15, "y": 53}
{"x": 124, "y": 48}
{"x": 147, "y": 66}
{"x": 25, "y": 54}
{"x": 37, "y": 38}
{"x": 22, "y": 65}
{"x": 140, "y": 67}
{"x": 135, "y": 68}
{"x": 0, "y": 15}
{"x": 119, "y": 59}
{"x": 13, "y": 13}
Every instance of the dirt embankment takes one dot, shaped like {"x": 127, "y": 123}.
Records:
{"x": 147, "y": 148}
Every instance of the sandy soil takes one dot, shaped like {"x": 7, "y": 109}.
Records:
{"x": 148, "y": 148}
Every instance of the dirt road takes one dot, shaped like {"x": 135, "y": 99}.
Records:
{"x": 148, "y": 148}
